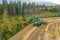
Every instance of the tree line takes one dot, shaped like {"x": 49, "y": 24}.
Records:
{"x": 18, "y": 8}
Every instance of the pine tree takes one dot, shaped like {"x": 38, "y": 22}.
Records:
{"x": 4, "y": 2}
{"x": 18, "y": 8}
{"x": 23, "y": 10}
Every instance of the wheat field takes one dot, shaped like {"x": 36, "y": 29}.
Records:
{"x": 52, "y": 31}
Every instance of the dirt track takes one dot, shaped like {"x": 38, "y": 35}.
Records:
{"x": 19, "y": 35}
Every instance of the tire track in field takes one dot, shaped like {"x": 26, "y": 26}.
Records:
{"x": 46, "y": 33}
{"x": 38, "y": 32}
{"x": 20, "y": 34}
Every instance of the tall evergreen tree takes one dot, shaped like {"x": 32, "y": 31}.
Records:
{"x": 23, "y": 10}
{"x": 18, "y": 8}
{"x": 4, "y": 2}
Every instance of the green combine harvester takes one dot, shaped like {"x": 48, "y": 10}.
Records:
{"x": 36, "y": 21}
